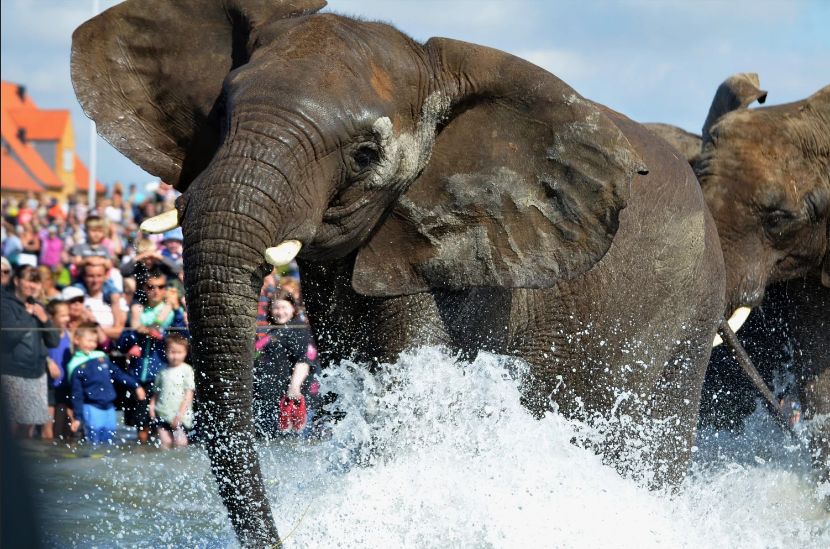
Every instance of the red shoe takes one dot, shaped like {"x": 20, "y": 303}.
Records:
{"x": 286, "y": 418}
{"x": 299, "y": 414}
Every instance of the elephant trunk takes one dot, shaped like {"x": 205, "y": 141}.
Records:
{"x": 736, "y": 92}
{"x": 226, "y": 231}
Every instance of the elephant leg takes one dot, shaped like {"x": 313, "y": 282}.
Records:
{"x": 674, "y": 410}
{"x": 810, "y": 304}
{"x": 815, "y": 401}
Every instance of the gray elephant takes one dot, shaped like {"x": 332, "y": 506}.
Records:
{"x": 442, "y": 193}
{"x": 765, "y": 174}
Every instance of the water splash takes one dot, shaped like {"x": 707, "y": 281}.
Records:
{"x": 438, "y": 452}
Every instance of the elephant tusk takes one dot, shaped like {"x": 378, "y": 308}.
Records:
{"x": 735, "y": 322}
{"x": 283, "y": 253}
{"x": 161, "y": 223}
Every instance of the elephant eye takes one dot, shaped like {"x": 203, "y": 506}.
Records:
{"x": 777, "y": 222}
{"x": 363, "y": 157}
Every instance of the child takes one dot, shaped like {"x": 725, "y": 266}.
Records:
{"x": 91, "y": 377}
{"x": 170, "y": 405}
{"x": 58, "y": 392}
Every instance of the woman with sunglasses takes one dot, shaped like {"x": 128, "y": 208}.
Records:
{"x": 26, "y": 335}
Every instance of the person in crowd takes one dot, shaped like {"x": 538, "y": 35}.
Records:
{"x": 291, "y": 284}
{"x": 96, "y": 232}
{"x": 31, "y": 245}
{"x": 148, "y": 258}
{"x": 98, "y": 247}
{"x": 101, "y": 299}
{"x": 56, "y": 212}
{"x": 129, "y": 292}
{"x": 116, "y": 212}
{"x": 78, "y": 313}
{"x": 144, "y": 343}
{"x": 6, "y": 270}
{"x": 12, "y": 245}
{"x": 171, "y": 404}
{"x": 267, "y": 292}
{"x": 91, "y": 377}
{"x": 25, "y": 337}
{"x": 58, "y": 388}
{"x": 51, "y": 250}
{"x": 172, "y": 247}
{"x": 48, "y": 290}
{"x": 26, "y": 212}
{"x": 286, "y": 372}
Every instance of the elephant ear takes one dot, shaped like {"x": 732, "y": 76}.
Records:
{"x": 686, "y": 143}
{"x": 523, "y": 188}
{"x": 736, "y": 92}
{"x": 150, "y": 73}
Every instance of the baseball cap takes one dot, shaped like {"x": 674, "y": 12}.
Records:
{"x": 71, "y": 292}
{"x": 27, "y": 259}
{"x": 173, "y": 234}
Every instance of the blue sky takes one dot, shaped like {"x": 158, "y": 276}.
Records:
{"x": 652, "y": 60}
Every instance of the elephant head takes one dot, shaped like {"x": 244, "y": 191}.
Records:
{"x": 765, "y": 175}
{"x": 289, "y": 131}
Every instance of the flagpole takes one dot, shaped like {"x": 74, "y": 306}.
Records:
{"x": 93, "y": 146}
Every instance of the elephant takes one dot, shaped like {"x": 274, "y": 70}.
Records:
{"x": 765, "y": 174}
{"x": 438, "y": 193}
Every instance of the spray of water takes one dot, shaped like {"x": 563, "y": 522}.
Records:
{"x": 436, "y": 451}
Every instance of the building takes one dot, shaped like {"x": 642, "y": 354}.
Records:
{"x": 38, "y": 148}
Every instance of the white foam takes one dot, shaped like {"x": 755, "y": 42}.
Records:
{"x": 449, "y": 458}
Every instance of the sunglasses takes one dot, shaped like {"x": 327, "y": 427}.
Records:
{"x": 156, "y": 286}
{"x": 5, "y": 271}
{"x": 76, "y": 300}
{"x": 32, "y": 277}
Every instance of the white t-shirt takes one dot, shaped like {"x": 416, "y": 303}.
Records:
{"x": 115, "y": 215}
{"x": 101, "y": 310}
{"x": 171, "y": 384}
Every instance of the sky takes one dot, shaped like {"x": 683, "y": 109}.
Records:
{"x": 655, "y": 61}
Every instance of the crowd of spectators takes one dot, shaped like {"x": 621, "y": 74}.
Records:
{"x": 90, "y": 303}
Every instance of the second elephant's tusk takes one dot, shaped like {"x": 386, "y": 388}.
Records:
{"x": 161, "y": 223}
{"x": 735, "y": 322}
{"x": 283, "y": 253}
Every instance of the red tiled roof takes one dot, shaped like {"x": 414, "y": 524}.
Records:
{"x": 30, "y": 161}
{"x": 14, "y": 177}
{"x": 82, "y": 177}
{"x": 41, "y": 125}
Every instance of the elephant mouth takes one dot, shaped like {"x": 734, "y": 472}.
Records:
{"x": 335, "y": 213}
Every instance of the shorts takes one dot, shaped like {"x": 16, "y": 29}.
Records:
{"x": 161, "y": 424}
{"x": 137, "y": 412}
{"x": 99, "y": 425}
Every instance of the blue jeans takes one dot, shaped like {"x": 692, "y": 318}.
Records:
{"x": 99, "y": 425}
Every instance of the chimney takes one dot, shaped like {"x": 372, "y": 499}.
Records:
{"x": 21, "y": 92}
{"x": 21, "y": 135}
